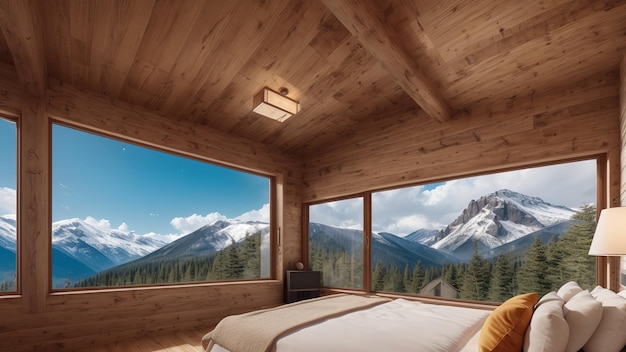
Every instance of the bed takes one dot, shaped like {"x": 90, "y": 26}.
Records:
{"x": 570, "y": 319}
{"x": 350, "y": 323}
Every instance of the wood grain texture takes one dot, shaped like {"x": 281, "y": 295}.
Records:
{"x": 34, "y": 199}
{"x": 21, "y": 26}
{"x": 203, "y": 61}
{"x": 564, "y": 123}
{"x": 363, "y": 20}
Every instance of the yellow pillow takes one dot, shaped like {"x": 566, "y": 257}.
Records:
{"x": 505, "y": 328}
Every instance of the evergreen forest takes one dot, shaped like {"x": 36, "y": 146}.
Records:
{"x": 238, "y": 261}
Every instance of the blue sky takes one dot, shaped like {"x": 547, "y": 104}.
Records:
{"x": 134, "y": 188}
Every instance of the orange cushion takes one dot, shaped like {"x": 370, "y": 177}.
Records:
{"x": 505, "y": 328}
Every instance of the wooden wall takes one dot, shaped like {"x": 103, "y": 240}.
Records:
{"x": 37, "y": 320}
{"x": 581, "y": 119}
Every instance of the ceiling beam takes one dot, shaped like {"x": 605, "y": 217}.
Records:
{"x": 362, "y": 19}
{"x": 20, "y": 21}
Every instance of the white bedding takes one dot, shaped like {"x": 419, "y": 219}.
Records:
{"x": 399, "y": 325}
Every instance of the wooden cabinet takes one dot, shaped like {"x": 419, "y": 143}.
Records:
{"x": 301, "y": 285}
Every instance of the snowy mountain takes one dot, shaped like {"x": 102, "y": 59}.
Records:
{"x": 496, "y": 219}
{"x": 210, "y": 239}
{"x": 8, "y": 232}
{"x": 99, "y": 247}
{"x": 387, "y": 248}
{"x": 422, "y": 236}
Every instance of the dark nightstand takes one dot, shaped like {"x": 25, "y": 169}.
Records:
{"x": 301, "y": 285}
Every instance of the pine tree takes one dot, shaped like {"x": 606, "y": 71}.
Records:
{"x": 579, "y": 266}
{"x": 473, "y": 280}
{"x": 252, "y": 255}
{"x": 418, "y": 278}
{"x": 531, "y": 275}
{"x": 397, "y": 280}
{"x": 556, "y": 273}
{"x": 378, "y": 277}
{"x": 407, "y": 277}
{"x": 450, "y": 275}
{"x": 501, "y": 287}
{"x": 234, "y": 265}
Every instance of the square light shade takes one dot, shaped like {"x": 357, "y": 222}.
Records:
{"x": 610, "y": 236}
{"x": 274, "y": 105}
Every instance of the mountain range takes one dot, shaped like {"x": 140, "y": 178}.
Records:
{"x": 500, "y": 222}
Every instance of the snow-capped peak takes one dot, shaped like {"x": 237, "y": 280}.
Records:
{"x": 80, "y": 238}
{"x": 499, "y": 218}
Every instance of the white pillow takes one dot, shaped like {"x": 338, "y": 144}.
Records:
{"x": 583, "y": 314}
{"x": 548, "y": 330}
{"x": 610, "y": 336}
{"x": 569, "y": 290}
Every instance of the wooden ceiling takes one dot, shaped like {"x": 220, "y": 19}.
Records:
{"x": 347, "y": 62}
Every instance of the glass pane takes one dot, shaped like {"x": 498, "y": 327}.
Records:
{"x": 8, "y": 206}
{"x": 489, "y": 237}
{"x": 336, "y": 242}
{"x": 125, "y": 215}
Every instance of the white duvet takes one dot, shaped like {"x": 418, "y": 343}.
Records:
{"x": 398, "y": 326}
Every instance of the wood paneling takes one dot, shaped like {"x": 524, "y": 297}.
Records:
{"x": 574, "y": 121}
{"x": 203, "y": 61}
{"x": 364, "y": 21}
{"x": 21, "y": 25}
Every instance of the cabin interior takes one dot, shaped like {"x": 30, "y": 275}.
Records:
{"x": 392, "y": 92}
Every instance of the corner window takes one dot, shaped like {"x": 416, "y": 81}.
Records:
{"x": 126, "y": 215}
{"x": 8, "y": 206}
{"x": 336, "y": 242}
{"x": 484, "y": 238}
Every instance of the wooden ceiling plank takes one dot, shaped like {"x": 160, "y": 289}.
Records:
{"x": 169, "y": 27}
{"x": 189, "y": 72}
{"x": 538, "y": 26}
{"x": 121, "y": 39}
{"x": 279, "y": 43}
{"x": 566, "y": 50}
{"x": 361, "y": 18}
{"x": 56, "y": 37}
{"x": 82, "y": 19}
{"x": 21, "y": 24}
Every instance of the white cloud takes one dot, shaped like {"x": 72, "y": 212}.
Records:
{"x": 100, "y": 223}
{"x": 123, "y": 227}
{"x": 193, "y": 222}
{"x": 262, "y": 214}
{"x": 8, "y": 201}
{"x": 346, "y": 213}
{"x": 165, "y": 238}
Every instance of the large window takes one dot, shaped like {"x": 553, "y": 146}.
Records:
{"x": 125, "y": 215}
{"x": 8, "y": 206}
{"x": 483, "y": 238}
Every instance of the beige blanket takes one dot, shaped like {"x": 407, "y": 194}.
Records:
{"x": 258, "y": 331}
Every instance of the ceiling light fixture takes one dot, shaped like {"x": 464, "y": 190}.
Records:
{"x": 275, "y": 105}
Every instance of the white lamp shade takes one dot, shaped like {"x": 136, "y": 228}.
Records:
{"x": 610, "y": 236}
